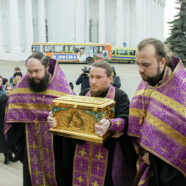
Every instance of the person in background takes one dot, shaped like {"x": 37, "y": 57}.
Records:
{"x": 82, "y": 55}
{"x": 5, "y": 81}
{"x": 26, "y": 120}
{"x": 16, "y": 69}
{"x": 157, "y": 117}
{"x": 83, "y": 79}
{"x": 1, "y": 85}
{"x": 3, "y": 146}
{"x": 17, "y": 78}
{"x": 116, "y": 79}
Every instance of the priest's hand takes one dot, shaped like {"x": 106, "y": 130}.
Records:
{"x": 102, "y": 127}
{"x": 51, "y": 120}
{"x": 146, "y": 158}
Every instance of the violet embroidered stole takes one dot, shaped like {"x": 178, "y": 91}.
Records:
{"x": 162, "y": 131}
{"x": 90, "y": 159}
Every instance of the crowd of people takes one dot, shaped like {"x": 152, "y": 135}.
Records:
{"x": 148, "y": 145}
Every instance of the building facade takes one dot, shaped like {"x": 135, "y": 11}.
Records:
{"x": 119, "y": 22}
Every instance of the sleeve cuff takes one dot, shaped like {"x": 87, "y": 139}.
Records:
{"x": 117, "y": 124}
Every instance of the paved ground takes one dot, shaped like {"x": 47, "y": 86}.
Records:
{"x": 11, "y": 175}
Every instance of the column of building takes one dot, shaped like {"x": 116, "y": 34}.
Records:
{"x": 126, "y": 23}
{"x": 133, "y": 29}
{"x": 80, "y": 21}
{"x": 101, "y": 36}
{"x": 14, "y": 27}
{"x": 151, "y": 18}
{"x": 1, "y": 31}
{"x": 41, "y": 21}
{"x": 28, "y": 25}
{"x": 161, "y": 14}
{"x": 119, "y": 23}
{"x": 138, "y": 21}
{"x": 87, "y": 17}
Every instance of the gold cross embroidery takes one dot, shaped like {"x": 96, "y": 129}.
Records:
{"x": 182, "y": 161}
{"x": 80, "y": 179}
{"x": 163, "y": 149}
{"x": 99, "y": 155}
{"x": 36, "y": 173}
{"x": 118, "y": 123}
{"x": 82, "y": 152}
{"x": 47, "y": 150}
{"x": 97, "y": 168}
{"x": 146, "y": 138}
{"x": 49, "y": 176}
{"x": 95, "y": 183}
{"x": 33, "y": 146}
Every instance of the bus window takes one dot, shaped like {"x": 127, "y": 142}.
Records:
{"x": 122, "y": 52}
{"x": 49, "y": 48}
{"x": 117, "y": 52}
{"x": 36, "y": 48}
{"x": 113, "y": 52}
{"x": 66, "y": 48}
{"x": 77, "y": 48}
{"x": 58, "y": 48}
{"x": 126, "y": 52}
{"x": 132, "y": 52}
{"x": 96, "y": 49}
{"x": 71, "y": 48}
{"x": 101, "y": 49}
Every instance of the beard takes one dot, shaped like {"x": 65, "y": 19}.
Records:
{"x": 41, "y": 86}
{"x": 97, "y": 93}
{"x": 154, "y": 80}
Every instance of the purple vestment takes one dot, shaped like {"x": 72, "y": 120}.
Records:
{"x": 31, "y": 108}
{"x": 90, "y": 159}
{"x": 160, "y": 130}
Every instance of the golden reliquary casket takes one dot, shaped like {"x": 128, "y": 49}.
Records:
{"x": 77, "y": 115}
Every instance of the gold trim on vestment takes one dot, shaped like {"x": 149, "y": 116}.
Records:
{"x": 165, "y": 100}
{"x": 137, "y": 164}
{"x": 27, "y": 149}
{"x": 162, "y": 158}
{"x": 48, "y": 92}
{"x": 162, "y": 126}
{"x": 141, "y": 182}
{"x": 33, "y": 106}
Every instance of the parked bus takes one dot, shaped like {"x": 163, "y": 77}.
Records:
{"x": 123, "y": 54}
{"x": 75, "y": 52}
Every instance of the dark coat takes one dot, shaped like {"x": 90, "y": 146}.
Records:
{"x": 3, "y": 101}
{"x": 84, "y": 81}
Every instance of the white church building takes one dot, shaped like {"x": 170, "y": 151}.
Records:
{"x": 119, "y": 22}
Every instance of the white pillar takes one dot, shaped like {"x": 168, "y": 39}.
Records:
{"x": 133, "y": 16}
{"x": 80, "y": 21}
{"x": 119, "y": 25}
{"x": 1, "y": 31}
{"x": 162, "y": 17}
{"x": 101, "y": 21}
{"x": 156, "y": 19}
{"x": 87, "y": 11}
{"x": 14, "y": 26}
{"x": 41, "y": 21}
{"x": 28, "y": 25}
{"x": 151, "y": 18}
{"x": 138, "y": 20}
{"x": 125, "y": 22}
{"x": 143, "y": 19}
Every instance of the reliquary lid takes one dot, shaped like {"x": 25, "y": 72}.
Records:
{"x": 74, "y": 101}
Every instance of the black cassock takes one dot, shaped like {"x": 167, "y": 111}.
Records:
{"x": 3, "y": 101}
{"x": 130, "y": 157}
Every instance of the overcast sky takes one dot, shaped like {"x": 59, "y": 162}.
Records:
{"x": 170, "y": 11}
